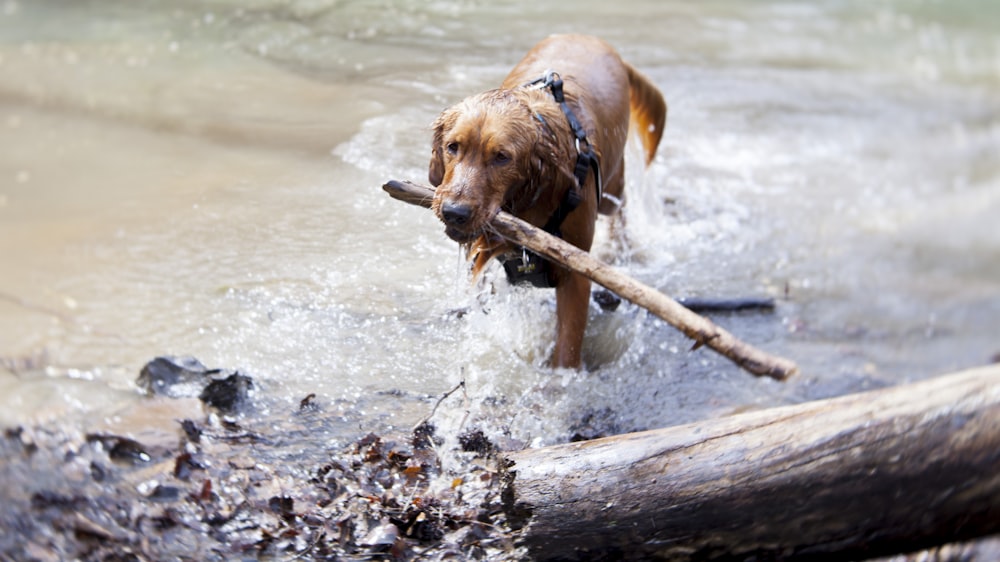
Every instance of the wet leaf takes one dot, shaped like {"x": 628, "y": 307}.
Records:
{"x": 307, "y": 403}
{"x": 205, "y": 495}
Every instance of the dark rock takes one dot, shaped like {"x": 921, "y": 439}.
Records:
{"x": 97, "y": 472}
{"x": 122, "y": 449}
{"x": 47, "y": 499}
{"x": 191, "y": 430}
{"x": 176, "y": 377}
{"x": 165, "y": 494}
{"x": 230, "y": 395}
{"x": 594, "y": 425}
{"x": 186, "y": 377}
{"x": 283, "y": 506}
{"x": 607, "y": 300}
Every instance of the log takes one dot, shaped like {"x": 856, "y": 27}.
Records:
{"x": 694, "y": 326}
{"x": 887, "y": 471}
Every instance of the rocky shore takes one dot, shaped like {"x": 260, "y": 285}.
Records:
{"x": 242, "y": 482}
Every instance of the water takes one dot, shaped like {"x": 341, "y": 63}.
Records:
{"x": 204, "y": 179}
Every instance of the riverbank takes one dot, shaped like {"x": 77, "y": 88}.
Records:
{"x": 214, "y": 469}
{"x": 226, "y": 478}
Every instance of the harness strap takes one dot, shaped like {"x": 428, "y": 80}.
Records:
{"x": 526, "y": 266}
{"x": 586, "y": 159}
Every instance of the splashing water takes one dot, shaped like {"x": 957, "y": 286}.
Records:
{"x": 204, "y": 179}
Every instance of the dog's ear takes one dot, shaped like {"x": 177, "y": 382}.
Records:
{"x": 443, "y": 124}
{"x": 435, "y": 172}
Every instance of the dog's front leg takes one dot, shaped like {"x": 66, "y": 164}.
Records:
{"x": 572, "y": 306}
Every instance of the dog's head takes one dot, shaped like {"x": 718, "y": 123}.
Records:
{"x": 493, "y": 150}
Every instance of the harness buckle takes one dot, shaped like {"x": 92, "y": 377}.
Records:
{"x": 526, "y": 268}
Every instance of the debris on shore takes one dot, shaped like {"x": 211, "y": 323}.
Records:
{"x": 242, "y": 484}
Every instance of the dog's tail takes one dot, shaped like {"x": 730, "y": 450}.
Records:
{"x": 649, "y": 111}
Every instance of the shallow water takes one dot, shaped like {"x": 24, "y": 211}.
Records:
{"x": 203, "y": 178}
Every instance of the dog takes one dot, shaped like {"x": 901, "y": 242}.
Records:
{"x": 548, "y": 147}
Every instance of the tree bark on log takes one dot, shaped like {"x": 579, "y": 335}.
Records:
{"x": 877, "y": 473}
{"x": 694, "y": 326}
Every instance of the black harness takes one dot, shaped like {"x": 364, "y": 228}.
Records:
{"x": 525, "y": 266}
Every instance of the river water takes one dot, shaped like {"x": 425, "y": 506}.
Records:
{"x": 203, "y": 178}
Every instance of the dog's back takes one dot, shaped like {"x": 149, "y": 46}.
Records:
{"x": 605, "y": 89}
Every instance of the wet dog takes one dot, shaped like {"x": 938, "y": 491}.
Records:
{"x": 547, "y": 146}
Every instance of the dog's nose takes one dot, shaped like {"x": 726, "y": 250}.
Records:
{"x": 456, "y": 214}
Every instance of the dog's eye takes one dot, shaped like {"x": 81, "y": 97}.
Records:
{"x": 501, "y": 158}
{"x": 452, "y": 148}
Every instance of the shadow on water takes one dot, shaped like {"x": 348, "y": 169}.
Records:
{"x": 203, "y": 179}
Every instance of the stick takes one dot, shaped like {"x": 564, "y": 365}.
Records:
{"x": 426, "y": 419}
{"x": 848, "y": 478}
{"x": 696, "y": 327}
{"x": 701, "y": 304}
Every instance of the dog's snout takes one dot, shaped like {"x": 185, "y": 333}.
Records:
{"x": 456, "y": 214}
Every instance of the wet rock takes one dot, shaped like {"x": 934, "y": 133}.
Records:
{"x": 191, "y": 430}
{"x": 594, "y": 425}
{"x": 186, "y": 377}
{"x": 23, "y": 437}
{"x": 97, "y": 472}
{"x": 231, "y": 395}
{"x": 176, "y": 377}
{"x": 46, "y": 499}
{"x": 383, "y": 534}
{"x": 607, "y": 300}
{"x": 165, "y": 494}
{"x": 259, "y": 487}
{"x": 283, "y": 506}
{"x": 122, "y": 449}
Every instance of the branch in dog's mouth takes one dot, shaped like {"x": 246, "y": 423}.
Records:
{"x": 703, "y": 331}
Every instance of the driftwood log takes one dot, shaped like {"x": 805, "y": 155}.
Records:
{"x": 887, "y": 471}
{"x": 694, "y": 326}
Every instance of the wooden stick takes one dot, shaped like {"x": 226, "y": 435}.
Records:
{"x": 696, "y": 327}
{"x": 702, "y": 304}
{"x": 871, "y": 474}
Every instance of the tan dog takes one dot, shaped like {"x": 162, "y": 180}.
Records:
{"x": 553, "y": 164}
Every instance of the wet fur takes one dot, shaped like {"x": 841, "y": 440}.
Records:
{"x": 512, "y": 148}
